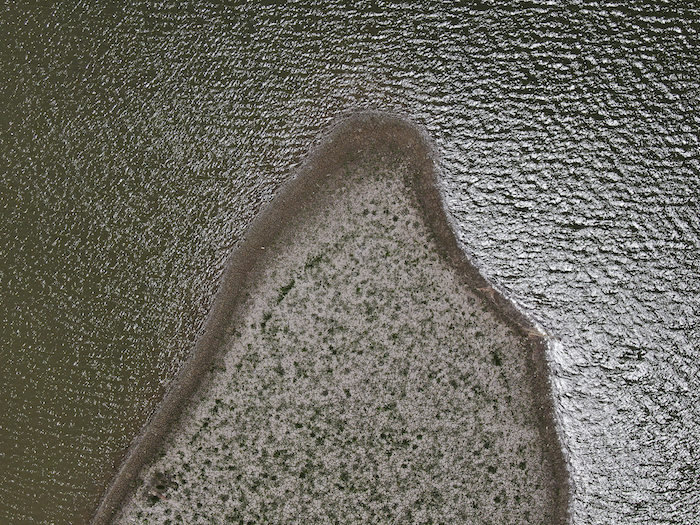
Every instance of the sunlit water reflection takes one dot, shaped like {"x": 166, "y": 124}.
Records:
{"x": 139, "y": 142}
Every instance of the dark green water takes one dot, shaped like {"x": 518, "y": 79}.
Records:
{"x": 138, "y": 141}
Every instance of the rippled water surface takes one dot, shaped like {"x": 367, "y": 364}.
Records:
{"x": 138, "y": 142}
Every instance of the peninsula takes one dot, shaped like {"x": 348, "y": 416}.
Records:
{"x": 355, "y": 368}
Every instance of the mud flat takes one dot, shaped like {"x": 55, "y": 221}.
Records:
{"x": 355, "y": 368}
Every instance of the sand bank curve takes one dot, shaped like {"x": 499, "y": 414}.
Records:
{"x": 347, "y": 141}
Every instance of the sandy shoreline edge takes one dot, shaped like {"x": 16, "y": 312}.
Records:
{"x": 346, "y": 140}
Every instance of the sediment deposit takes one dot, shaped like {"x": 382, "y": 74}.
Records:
{"x": 355, "y": 369}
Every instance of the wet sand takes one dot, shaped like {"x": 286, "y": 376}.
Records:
{"x": 352, "y": 140}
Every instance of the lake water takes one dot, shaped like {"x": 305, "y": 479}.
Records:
{"x": 138, "y": 142}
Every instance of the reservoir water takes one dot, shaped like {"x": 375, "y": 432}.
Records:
{"x": 138, "y": 141}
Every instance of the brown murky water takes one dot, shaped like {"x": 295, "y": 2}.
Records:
{"x": 138, "y": 141}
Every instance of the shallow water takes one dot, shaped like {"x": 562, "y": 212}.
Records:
{"x": 139, "y": 142}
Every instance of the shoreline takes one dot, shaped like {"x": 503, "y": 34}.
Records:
{"x": 346, "y": 140}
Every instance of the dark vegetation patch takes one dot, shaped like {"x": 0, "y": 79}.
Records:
{"x": 314, "y": 261}
{"x": 265, "y": 318}
{"x": 496, "y": 358}
{"x": 284, "y": 290}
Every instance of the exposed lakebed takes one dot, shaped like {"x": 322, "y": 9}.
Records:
{"x": 360, "y": 370}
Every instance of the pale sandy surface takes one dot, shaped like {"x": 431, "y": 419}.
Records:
{"x": 362, "y": 381}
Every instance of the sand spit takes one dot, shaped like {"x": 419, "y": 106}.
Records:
{"x": 355, "y": 367}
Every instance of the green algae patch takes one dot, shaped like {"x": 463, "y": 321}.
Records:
{"x": 365, "y": 373}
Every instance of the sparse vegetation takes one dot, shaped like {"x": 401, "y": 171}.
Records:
{"x": 284, "y": 290}
{"x": 363, "y": 384}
